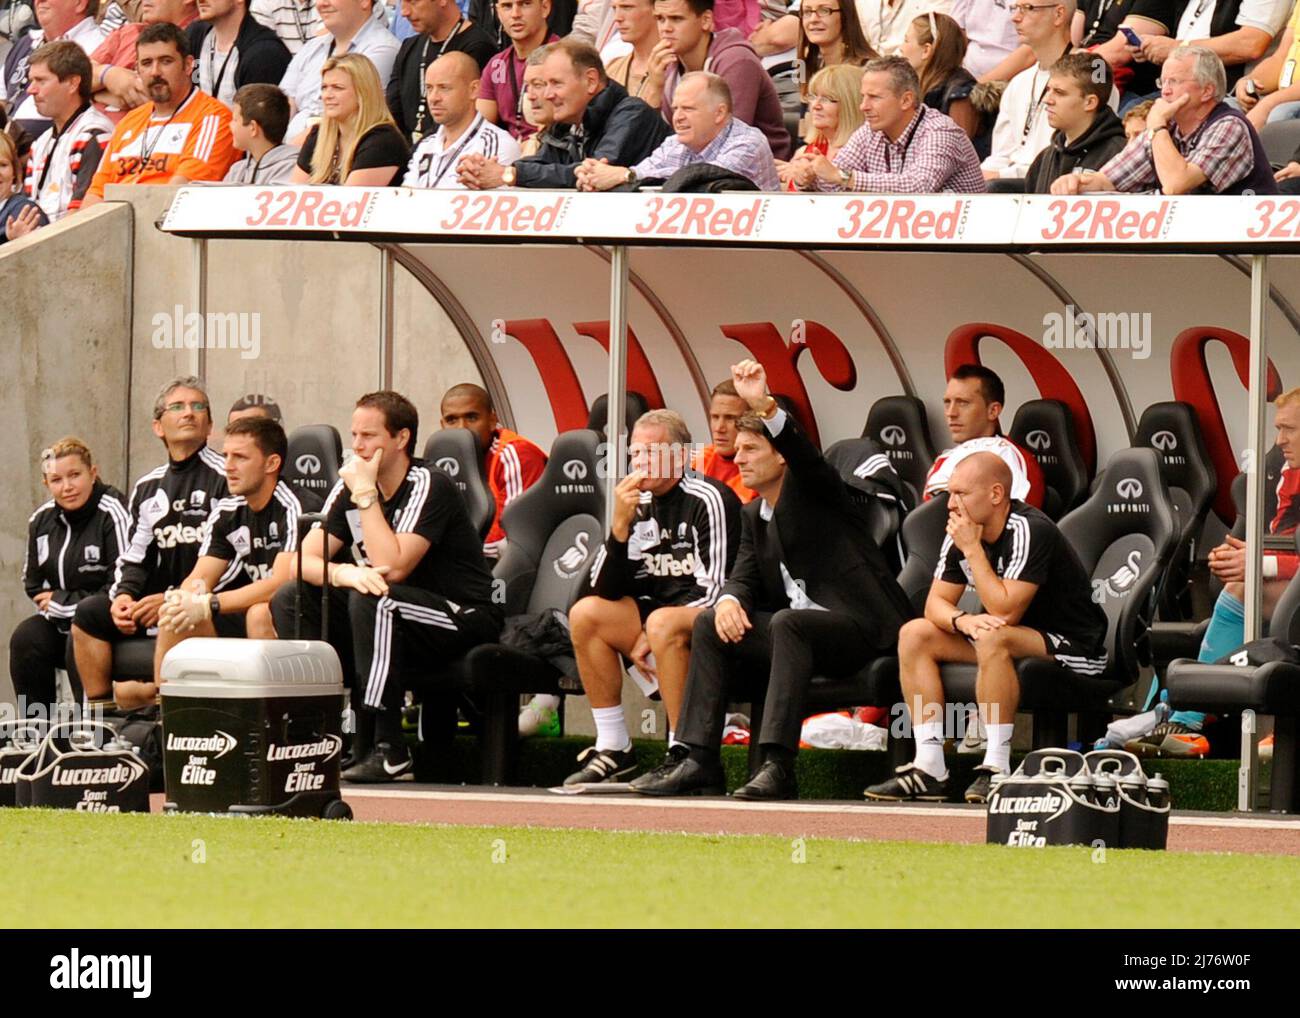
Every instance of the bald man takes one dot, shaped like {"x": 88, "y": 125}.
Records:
{"x": 451, "y": 85}
{"x": 511, "y": 463}
{"x": 1005, "y": 551}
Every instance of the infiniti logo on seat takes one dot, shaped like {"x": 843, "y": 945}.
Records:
{"x": 574, "y": 470}
{"x": 892, "y": 434}
{"x": 1129, "y": 487}
{"x": 1164, "y": 440}
{"x": 1038, "y": 440}
{"x": 448, "y": 466}
{"x": 307, "y": 464}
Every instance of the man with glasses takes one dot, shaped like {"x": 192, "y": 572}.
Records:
{"x": 452, "y": 82}
{"x": 1022, "y": 130}
{"x": 169, "y": 521}
{"x": 501, "y": 89}
{"x": 904, "y": 147}
{"x": 1195, "y": 143}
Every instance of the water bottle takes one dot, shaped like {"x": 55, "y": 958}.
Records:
{"x": 1083, "y": 788}
{"x": 1158, "y": 792}
{"x": 1107, "y": 798}
{"x": 1134, "y": 786}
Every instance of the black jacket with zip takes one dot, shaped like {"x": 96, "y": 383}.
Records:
{"x": 1093, "y": 150}
{"x": 72, "y": 553}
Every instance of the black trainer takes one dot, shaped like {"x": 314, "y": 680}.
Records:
{"x": 909, "y": 782}
{"x": 610, "y": 765}
{"x": 679, "y": 774}
{"x": 774, "y": 780}
{"x": 979, "y": 788}
{"x": 385, "y": 763}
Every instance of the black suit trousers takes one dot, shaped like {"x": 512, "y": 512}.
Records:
{"x": 775, "y": 661}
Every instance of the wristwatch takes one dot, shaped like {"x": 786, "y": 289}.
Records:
{"x": 365, "y": 501}
{"x": 509, "y": 175}
{"x": 953, "y": 623}
{"x": 214, "y": 605}
{"x": 630, "y": 180}
{"x": 846, "y": 179}
{"x": 1153, "y": 131}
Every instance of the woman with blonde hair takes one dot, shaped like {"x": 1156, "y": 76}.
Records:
{"x": 834, "y": 113}
{"x": 935, "y": 46}
{"x": 356, "y": 141}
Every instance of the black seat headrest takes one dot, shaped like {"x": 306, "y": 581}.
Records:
{"x": 634, "y": 405}
{"x": 898, "y": 424}
{"x": 456, "y": 453}
{"x": 315, "y": 455}
{"x": 1130, "y": 497}
{"x": 1045, "y": 429}
{"x": 571, "y": 485}
{"x": 924, "y": 529}
{"x": 1172, "y": 430}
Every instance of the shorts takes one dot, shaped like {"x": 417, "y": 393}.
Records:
{"x": 1088, "y": 662}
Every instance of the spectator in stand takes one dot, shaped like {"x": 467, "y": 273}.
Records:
{"x": 356, "y": 142}
{"x": 1238, "y": 32}
{"x": 538, "y": 113}
{"x": 113, "y": 63}
{"x": 1272, "y": 91}
{"x": 73, "y": 20}
{"x": 688, "y": 42}
{"x": 830, "y": 35}
{"x": 972, "y": 406}
{"x": 1036, "y": 601}
{"x": 719, "y": 459}
{"x": 64, "y": 159}
{"x": 1022, "y": 130}
{"x": 1288, "y": 177}
{"x": 1180, "y": 734}
{"x": 351, "y": 27}
{"x": 904, "y": 147}
{"x": 834, "y": 114}
{"x": 1195, "y": 143}
{"x": 296, "y": 22}
{"x": 501, "y": 97}
{"x": 232, "y": 50}
{"x": 179, "y": 136}
{"x": 1087, "y": 134}
{"x": 440, "y": 29}
{"x": 637, "y": 27}
{"x": 1135, "y": 119}
{"x": 255, "y": 404}
{"x": 594, "y": 118}
{"x": 72, "y": 542}
{"x": 19, "y": 215}
{"x": 494, "y": 20}
{"x": 707, "y": 133}
{"x": 169, "y": 509}
{"x": 935, "y": 46}
{"x": 1097, "y": 25}
{"x": 885, "y": 23}
{"x": 671, "y": 544}
{"x": 511, "y": 463}
{"x": 776, "y": 40}
{"x": 257, "y": 126}
{"x": 453, "y": 84}
{"x": 990, "y": 36}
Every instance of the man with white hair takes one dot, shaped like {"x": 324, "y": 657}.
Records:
{"x": 706, "y": 133}
{"x": 1195, "y": 143}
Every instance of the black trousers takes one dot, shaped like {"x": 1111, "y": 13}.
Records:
{"x": 787, "y": 648}
{"x": 37, "y": 647}
{"x": 386, "y": 638}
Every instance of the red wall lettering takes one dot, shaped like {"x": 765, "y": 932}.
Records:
{"x": 1192, "y": 384}
{"x": 556, "y": 370}
{"x": 640, "y": 376}
{"x": 1053, "y": 381}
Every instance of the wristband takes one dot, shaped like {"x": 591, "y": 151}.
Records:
{"x": 953, "y": 623}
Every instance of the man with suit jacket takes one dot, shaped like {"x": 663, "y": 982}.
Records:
{"x": 810, "y": 594}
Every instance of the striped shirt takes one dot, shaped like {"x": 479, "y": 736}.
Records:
{"x": 737, "y": 147}
{"x": 249, "y": 541}
{"x": 514, "y": 465}
{"x": 295, "y": 23}
{"x": 1220, "y": 149}
{"x": 433, "y": 166}
{"x": 931, "y": 154}
{"x": 63, "y": 163}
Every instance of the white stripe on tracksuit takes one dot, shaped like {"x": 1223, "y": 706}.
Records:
{"x": 382, "y": 658}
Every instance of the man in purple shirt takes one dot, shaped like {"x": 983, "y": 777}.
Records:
{"x": 903, "y": 148}
{"x": 501, "y": 88}
{"x": 706, "y": 133}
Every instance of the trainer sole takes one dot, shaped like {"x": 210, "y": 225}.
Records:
{"x": 707, "y": 790}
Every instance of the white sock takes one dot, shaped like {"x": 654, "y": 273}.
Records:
{"x": 545, "y": 701}
{"x": 929, "y": 749}
{"x": 611, "y": 729}
{"x": 998, "y": 752}
{"x": 672, "y": 739}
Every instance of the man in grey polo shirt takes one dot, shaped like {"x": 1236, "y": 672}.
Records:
{"x": 350, "y": 28}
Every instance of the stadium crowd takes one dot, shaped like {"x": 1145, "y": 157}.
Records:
{"x": 735, "y": 571}
{"x": 901, "y": 96}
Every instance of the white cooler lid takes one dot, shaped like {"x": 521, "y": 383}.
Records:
{"x": 230, "y": 668}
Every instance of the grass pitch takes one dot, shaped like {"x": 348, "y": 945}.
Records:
{"x": 198, "y": 871}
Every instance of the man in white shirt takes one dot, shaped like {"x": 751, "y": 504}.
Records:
{"x": 350, "y": 28}
{"x": 884, "y": 22}
{"x": 1237, "y": 31}
{"x": 451, "y": 84}
{"x": 73, "y": 20}
{"x": 991, "y": 37}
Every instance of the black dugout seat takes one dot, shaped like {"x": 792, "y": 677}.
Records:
{"x": 1172, "y": 430}
{"x": 555, "y": 529}
{"x": 455, "y": 452}
{"x": 1272, "y": 688}
{"x": 1124, "y": 535}
{"x": 898, "y": 425}
{"x": 315, "y": 455}
{"x": 634, "y": 405}
{"x": 1045, "y": 428}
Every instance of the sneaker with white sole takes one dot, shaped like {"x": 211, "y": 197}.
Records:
{"x": 384, "y": 763}
{"x": 975, "y": 740}
{"x": 603, "y": 765}
{"x": 909, "y": 782}
{"x": 538, "y": 718}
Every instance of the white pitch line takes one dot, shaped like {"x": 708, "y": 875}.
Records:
{"x": 768, "y": 807}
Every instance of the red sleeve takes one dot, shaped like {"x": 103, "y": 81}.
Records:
{"x": 1287, "y": 562}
